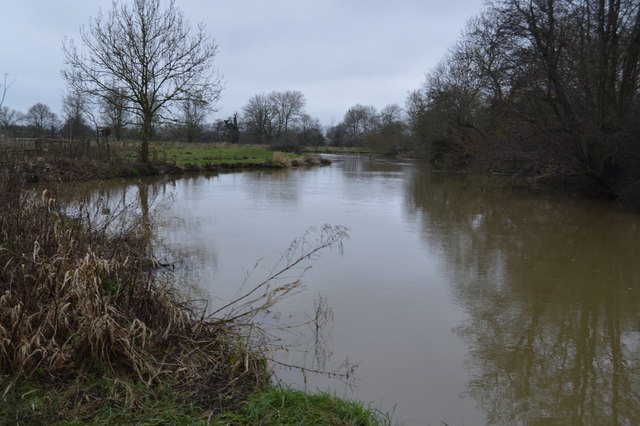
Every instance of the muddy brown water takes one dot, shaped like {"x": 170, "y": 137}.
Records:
{"x": 460, "y": 300}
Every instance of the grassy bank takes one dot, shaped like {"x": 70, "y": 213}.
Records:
{"x": 338, "y": 150}
{"x": 34, "y": 404}
{"x": 201, "y": 156}
{"x": 289, "y": 407}
{"x": 89, "y": 333}
{"x": 59, "y": 160}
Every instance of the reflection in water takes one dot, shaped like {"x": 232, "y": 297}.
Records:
{"x": 462, "y": 301}
{"x": 142, "y": 202}
{"x": 268, "y": 185}
{"x": 552, "y": 294}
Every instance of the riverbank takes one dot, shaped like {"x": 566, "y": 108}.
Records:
{"x": 571, "y": 183}
{"x": 327, "y": 149}
{"x": 64, "y": 161}
{"x": 89, "y": 333}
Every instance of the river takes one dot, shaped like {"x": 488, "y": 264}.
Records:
{"x": 461, "y": 300}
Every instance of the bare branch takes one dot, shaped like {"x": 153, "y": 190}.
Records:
{"x": 148, "y": 56}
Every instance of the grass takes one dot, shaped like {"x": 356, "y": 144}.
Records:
{"x": 290, "y": 407}
{"x": 338, "y": 150}
{"x": 203, "y": 154}
{"x": 104, "y": 401}
{"x": 133, "y": 402}
{"x": 214, "y": 156}
{"x": 67, "y": 161}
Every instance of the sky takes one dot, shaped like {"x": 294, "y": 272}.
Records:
{"x": 338, "y": 53}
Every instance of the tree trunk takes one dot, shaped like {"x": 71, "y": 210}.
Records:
{"x": 146, "y": 136}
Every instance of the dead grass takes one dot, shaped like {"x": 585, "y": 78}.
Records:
{"x": 76, "y": 301}
{"x": 281, "y": 159}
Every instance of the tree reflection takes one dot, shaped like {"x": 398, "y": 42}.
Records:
{"x": 147, "y": 204}
{"x": 552, "y": 292}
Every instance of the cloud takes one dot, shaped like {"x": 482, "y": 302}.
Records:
{"x": 338, "y": 53}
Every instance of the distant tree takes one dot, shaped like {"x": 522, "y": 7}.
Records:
{"x": 390, "y": 114}
{"x": 336, "y": 135}
{"x": 269, "y": 118}
{"x": 259, "y": 119}
{"x": 310, "y": 131}
{"x": 359, "y": 121}
{"x": 191, "y": 120}
{"x": 41, "y": 120}
{"x": 231, "y": 129}
{"x": 390, "y": 135}
{"x": 148, "y": 55}
{"x": 75, "y": 125}
{"x": 288, "y": 107}
{"x": 115, "y": 112}
{"x": 9, "y": 120}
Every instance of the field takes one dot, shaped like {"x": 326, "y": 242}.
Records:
{"x": 63, "y": 160}
{"x": 214, "y": 155}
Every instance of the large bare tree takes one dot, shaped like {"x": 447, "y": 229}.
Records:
{"x": 150, "y": 56}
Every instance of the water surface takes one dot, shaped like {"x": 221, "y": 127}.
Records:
{"x": 461, "y": 301}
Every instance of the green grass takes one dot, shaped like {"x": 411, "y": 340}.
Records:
{"x": 211, "y": 155}
{"x": 338, "y": 150}
{"x": 99, "y": 401}
{"x": 289, "y": 407}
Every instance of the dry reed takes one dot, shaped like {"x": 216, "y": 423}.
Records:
{"x": 281, "y": 158}
{"x": 79, "y": 301}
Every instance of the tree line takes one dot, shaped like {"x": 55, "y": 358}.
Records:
{"x": 277, "y": 118}
{"x": 546, "y": 88}
{"x": 542, "y": 88}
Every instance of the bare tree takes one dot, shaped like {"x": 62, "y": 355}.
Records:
{"x": 41, "y": 119}
{"x": 359, "y": 121}
{"x": 541, "y": 87}
{"x": 75, "y": 108}
{"x": 390, "y": 114}
{"x": 115, "y": 113}
{"x": 288, "y": 107}
{"x": 270, "y": 117}
{"x": 310, "y": 132}
{"x": 259, "y": 118}
{"x": 9, "y": 120}
{"x": 336, "y": 135}
{"x": 192, "y": 115}
{"x": 154, "y": 57}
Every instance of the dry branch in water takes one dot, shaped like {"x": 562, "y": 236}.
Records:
{"x": 283, "y": 280}
{"x": 290, "y": 268}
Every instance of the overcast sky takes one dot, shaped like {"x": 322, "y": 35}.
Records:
{"x": 338, "y": 53}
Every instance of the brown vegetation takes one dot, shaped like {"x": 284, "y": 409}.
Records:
{"x": 63, "y": 160}
{"x": 79, "y": 300}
